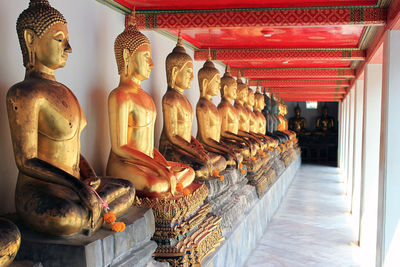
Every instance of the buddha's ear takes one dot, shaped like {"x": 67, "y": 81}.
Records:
{"x": 174, "y": 72}
{"x": 29, "y": 37}
{"x": 224, "y": 89}
{"x": 204, "y": 84}
{"x": 126, "y": 55}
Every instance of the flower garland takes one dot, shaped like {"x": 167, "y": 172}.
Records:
{"x": 109, "y": 217}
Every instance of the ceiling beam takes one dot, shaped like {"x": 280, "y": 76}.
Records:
{"x": 153, "y": 19}
{"x": 279, "y": 54}
{"x": 294, "y": 73}
{"x": 300, "y": 83}
{"x": 308, "y": 90}
{"x": 311, "y": 98}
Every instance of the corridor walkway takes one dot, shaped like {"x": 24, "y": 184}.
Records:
{"x": 311, "y": 227}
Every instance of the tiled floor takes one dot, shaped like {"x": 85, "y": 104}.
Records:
{"x": 311, "y": 227}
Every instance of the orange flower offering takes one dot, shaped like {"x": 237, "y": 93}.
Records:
{"x": 179, "y": 187}
{"x": 215, "y": 173}
{"x": 118, "y": 227}
{"x": 240, "y": 165}
{"x": 253, "y": 158}
{"x": 186, "y": 192}
{"x": 221, "y": 178}
{"x": 271, "y": 149}
{"x": 109, "y": 217}
{"x": 260, "y": 151}
{"x": 264, "y": 153}
{"x": 242, "y": 171}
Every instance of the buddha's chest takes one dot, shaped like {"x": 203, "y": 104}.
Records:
{"x": 60, "y": 116}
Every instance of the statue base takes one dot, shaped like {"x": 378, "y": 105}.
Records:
{"x": 184, "y": 231}
{"x": 132, "y": 247}
{"x": 230, "y": 204}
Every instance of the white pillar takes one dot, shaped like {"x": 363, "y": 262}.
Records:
{"x": 389, "y": 164}
{"x": 339, "y": 152}
{"x": 345, "y": 137}
{"x": 350, "y": 147}
{"x": 357, "y": 155}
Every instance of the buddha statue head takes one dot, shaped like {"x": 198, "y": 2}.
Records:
{"x": 242, "y": 89}
{"x": 43, "y": 37}
{"x": 297, "y": 110}
{"x": 209, "y": 79}
{"x": 228, "y": 85}
{"x": 259, "y": 100}
{"x": 133, "y": 53}
{"x": 179, "y": 68}
{"x": 325, "y": 111}
{"x": 250, "y": 97}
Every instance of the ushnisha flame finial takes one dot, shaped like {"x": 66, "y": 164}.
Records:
{"x": 227, "y": 68}
{"x": 130, "y": 20}
{"x": 209, "y": 54}
{"x": 179, "y": 41}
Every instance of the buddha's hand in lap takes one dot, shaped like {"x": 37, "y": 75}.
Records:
{"x": 92, "y": 203}
{"x": 94, "y": 182}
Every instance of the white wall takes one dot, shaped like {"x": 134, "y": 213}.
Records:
{"x": 91, "y": 73}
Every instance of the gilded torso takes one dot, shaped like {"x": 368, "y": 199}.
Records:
{"x": 211, "y": 122}
{"x": 229, "y": 117}
{"x": 57, "y": 121}
{"x": 134, "y": 113}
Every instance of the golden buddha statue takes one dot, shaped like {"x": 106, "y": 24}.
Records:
{"x": 244, "y": 116}
{"x": 176, "y": 141}
{"x": 208, "y": 117}
{"x": 298, "y": 123}
{"x": 230, "y": 117}
{"x": 56, "y": 187}
{"x": 284, "y": 125}
{"x": 254, "y": 121}
{"x": 132, "y": 115}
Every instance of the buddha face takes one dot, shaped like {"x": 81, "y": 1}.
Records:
{"x": 250, "y": 99}
{"x": 214, "y": 85}
{"x": 297, "y": 111}
{"x": 184, "y": 76}
{"x": 232, "y": 91}
{"x": 260, "y": 104}
{"x": 51, "y": 50}
{"x": 142, "y": 62}
{"x": 242, "y": 95}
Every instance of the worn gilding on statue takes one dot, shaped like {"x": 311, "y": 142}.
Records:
{"x": 55, "y": 188}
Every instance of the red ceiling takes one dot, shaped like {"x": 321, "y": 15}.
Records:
{"x": 314, "y": 45}
{"x": 296, "y": 37}
{"x": 290, "y": 64}
{"x": 229, "y": 4}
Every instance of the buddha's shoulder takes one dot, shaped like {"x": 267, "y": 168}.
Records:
{"x": 171, "y": 96}
{"x": 30, "y": 88}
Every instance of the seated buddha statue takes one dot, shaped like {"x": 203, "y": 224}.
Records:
{"x": 259, "y": 105}
{"x": 132, "y": 115}
{"x": 176, "y": 141}
{"x": 284, "y": 125}
{"x": 208, "y": 117}
{"x": 57, "y": 191}
{"x": 325, "y": 123}
{"x": 277, "y": 123}
{"x": 244, "y": 116}
{"x": 298, "y": 123}
{"x": 230, "y": 117}
{"x": 254, "y": 123}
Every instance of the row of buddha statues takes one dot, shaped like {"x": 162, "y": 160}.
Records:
{"x": 323, "y": 124}
{"x": 58, "y": 192}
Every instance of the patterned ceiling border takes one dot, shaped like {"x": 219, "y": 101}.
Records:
{"x": 294, "y": 54}
{"x": 292, "y": 73}
{"x": 261, "y": 18}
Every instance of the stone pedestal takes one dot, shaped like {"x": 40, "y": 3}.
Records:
{"x": 132, "y": 247}
{"x": 244, "y": 236}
